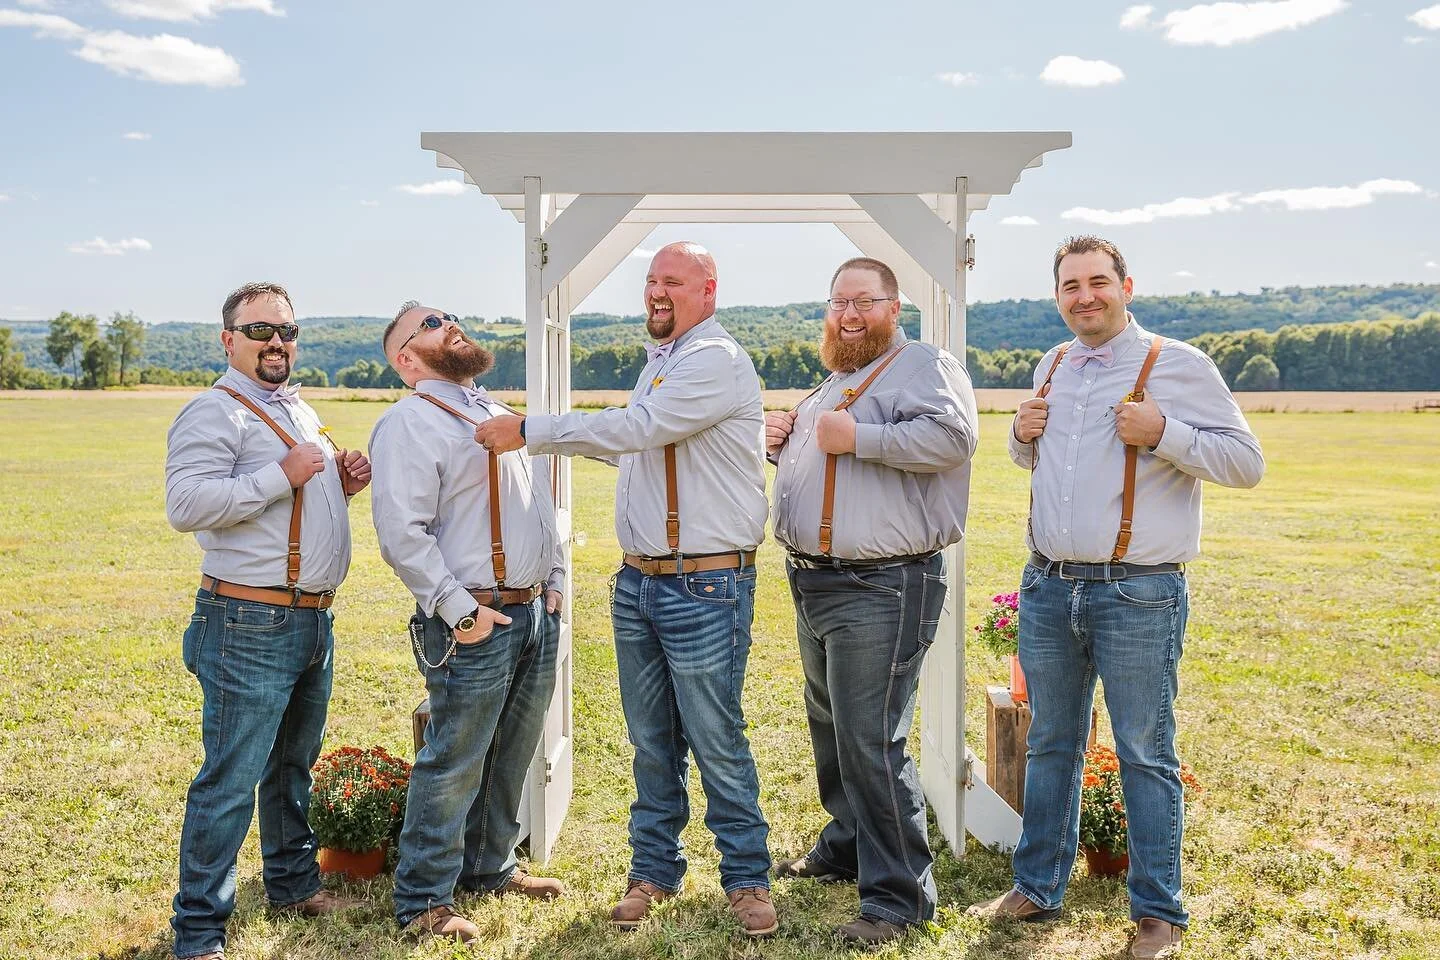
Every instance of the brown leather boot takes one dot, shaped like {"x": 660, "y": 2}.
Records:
{"x": 1014, "y": 905}
{"x": 1155, "y": 939}
{"x": 321, "y": 903}
{"x": 870, "y": 931}
{"x": 752, "y": 907}
{"x": 803, "y": 868}
{"x": 442, "y": 923}
{"x": 536, "y": 888}
{"x": 634, "y": 907}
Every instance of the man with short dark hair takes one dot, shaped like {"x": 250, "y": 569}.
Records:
{"x": 473, "y": 536}
{"x": 872, "y": 484}
{"x": 689, "y": 513}
{"x": 250, "y": 471}
{"x": 1123, "y": 428}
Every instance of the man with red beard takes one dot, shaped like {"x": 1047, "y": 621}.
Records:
{"x": 873, "y": 482}
{"x": 689, "y": 513}
{"x": 486, "y": 624}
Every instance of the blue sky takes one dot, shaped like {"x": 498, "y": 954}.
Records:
{"x": 155, "y": 154}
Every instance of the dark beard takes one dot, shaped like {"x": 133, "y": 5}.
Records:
{"x": 659, "y": 330}
{"x": 458, "y": 364}
{"x": 845, "y": 356}
{"x": 265, "y": 374}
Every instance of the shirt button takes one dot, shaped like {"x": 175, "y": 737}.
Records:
{"x": 784, "y": 496}
{"x": 792, "y": 459}
{"x": 1090, "y": 380}
{"x": 1074, "y": 436}
{"x": 1064, "y": 530}
{"x": 1068, "y": 467}
{"x": 1067, "y": 499}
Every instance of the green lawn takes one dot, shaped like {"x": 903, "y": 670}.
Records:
{"x": 1310, "y": 708}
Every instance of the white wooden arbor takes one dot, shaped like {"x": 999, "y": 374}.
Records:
{"x": 588, "y": 199}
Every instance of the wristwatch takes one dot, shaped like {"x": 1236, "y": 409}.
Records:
{"x": 466, "y": 623}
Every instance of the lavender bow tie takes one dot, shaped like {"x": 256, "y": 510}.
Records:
{"x": 290, "y": 393}
{"x": 475, "y": 396}
{"x": 1079, "y": 355}
{"x": 661, "y": 350}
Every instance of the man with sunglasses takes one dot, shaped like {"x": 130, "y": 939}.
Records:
{"x": 487, "y": 621}
{"x": 270, "y": 514}
{"x": 689, "y": 513}
{"x": 872, "y": 484}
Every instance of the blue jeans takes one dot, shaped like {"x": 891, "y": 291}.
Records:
{"x": 487, "y": 708}
{"x": 265, "y": 674}
{"x": 1130, "y": 634}
{"x": 863, "y": 637}
{"x": 681, "y": 645}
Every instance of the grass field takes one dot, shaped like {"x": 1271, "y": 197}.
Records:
{"x": 1310, "y": 707}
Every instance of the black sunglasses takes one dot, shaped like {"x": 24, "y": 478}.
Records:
{"x": 262, "y": 332}
{"x": 431, "y": 322}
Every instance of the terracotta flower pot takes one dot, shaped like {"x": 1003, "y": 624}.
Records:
{"x": 355, "y": 866}
{"x": 1017, "y": 680}
{"x": 1103, "y": 863}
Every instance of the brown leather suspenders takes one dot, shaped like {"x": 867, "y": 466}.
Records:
{"x": 1132, "y": 456}
{"x": 292, "y": 557}
{"x": 827, "y": 505}
{"x": 1132, "y": 453}
{"x": 497, "y": 541}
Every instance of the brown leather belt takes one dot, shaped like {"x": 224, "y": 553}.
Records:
{"x": 274, "y": 596}
{"x": 659, "y": 566}
{"x": 503, "y": 598}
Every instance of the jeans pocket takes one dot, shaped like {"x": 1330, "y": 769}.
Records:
{"x": 193, "y": 641}
{"x": 716, "y": 587}
{"x": 1030, "y": 576}
{"x": 259, "y": 617}
{"x": 1153, "y": 592}
{"x": 932, "y": 600}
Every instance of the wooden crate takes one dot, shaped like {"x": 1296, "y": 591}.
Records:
{"x": 1007, "y": 723}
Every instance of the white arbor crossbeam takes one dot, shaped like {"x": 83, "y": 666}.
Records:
{"x": 588, "y": 199}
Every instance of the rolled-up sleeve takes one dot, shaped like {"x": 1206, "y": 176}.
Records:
{"x": 936, "y": 428}
{"x": 1206, "y": 434}
{"x": 202, "y": 491}
{"x": 698, "y": 392}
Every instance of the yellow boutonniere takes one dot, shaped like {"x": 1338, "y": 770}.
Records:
{"x": 656, "y": 382}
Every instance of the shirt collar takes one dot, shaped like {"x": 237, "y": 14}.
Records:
{"x": 700, "y": 330}
{"x": 1121, "y": 343}
{"x": 236, "y": 380}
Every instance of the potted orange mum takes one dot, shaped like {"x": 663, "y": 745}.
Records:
{"x": 357, "y": 802}
{"x": 1104, "y": 830}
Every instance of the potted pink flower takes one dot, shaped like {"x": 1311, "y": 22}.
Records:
{"x": 999, "y": 632}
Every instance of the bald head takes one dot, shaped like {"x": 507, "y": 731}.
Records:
{"x": 679, "y": 290}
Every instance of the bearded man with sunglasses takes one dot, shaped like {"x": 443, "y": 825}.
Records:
{"x": 474, "y": 538}
{"x": 251, "y": 473}
{"x": 873, "y": 482}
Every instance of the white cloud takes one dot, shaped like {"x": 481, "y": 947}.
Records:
{"x": 958, "y": 79}
{"x": 44, "y": 24}
{"x": 1070, "y": 71}
{"x": 1223, "y": 24}
{"x": 4, "y": 198}
{"x": 135, "y": 135}
{"x": 369, "y": 203}
{"x": 102, "y": 246}
{"x": 1183, "y": 207}
{"x": 1018, "y": 222}
{"x": 435, "y": 188}
{"x": 1333, "y": 198}
{"x": 1429, "y": 18}
{"x": 1184, "y": 273}
{"x": 162, "y": 58}
{"x": 641, "y": 252}
{"x": 1432, "y": 265}
{"x": 1136, "y": 17}
{"x": 1295, "y": 199}
{"x": 179, "y": 11}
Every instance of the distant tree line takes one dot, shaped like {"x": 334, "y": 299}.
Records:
{"x": 1387, "y": 353}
